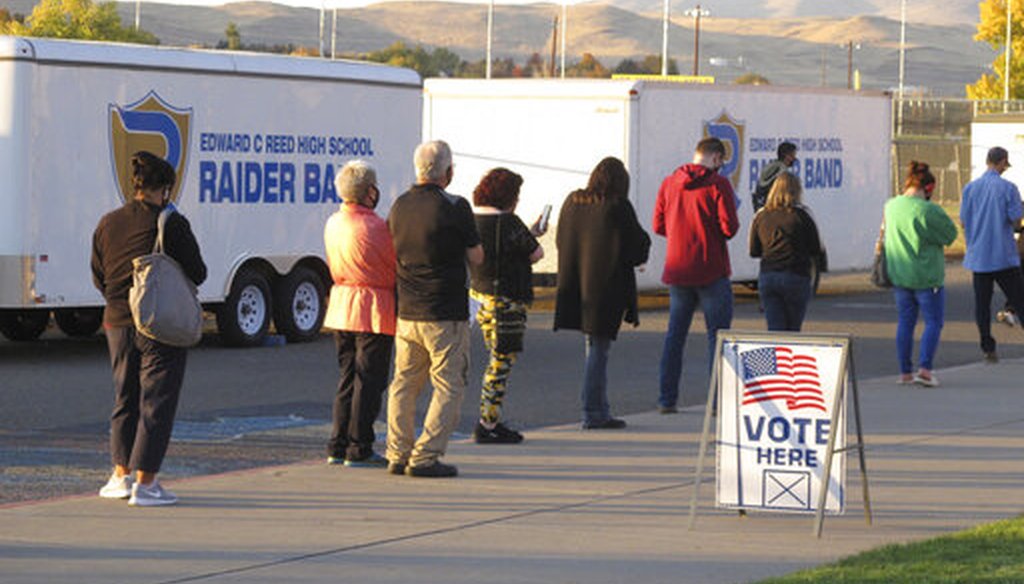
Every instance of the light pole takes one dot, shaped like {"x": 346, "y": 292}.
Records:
{"x": 697, "y": 13}
{"x": 565, "y": 30}
{"x": 490, "y": 37}
{"x": 664, "y": 37}
{"x": 138, "y": 11}
{"x": 903, "y": 59}
{"x": 323, "y": 19}
{"x": 334, "y": 33}
{"x": 1009, "y": 49}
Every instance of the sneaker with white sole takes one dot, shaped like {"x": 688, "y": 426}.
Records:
{"x": 1008, "y": 317}
{"x": 117, "y": 487}
{"x": 151, "y": 495}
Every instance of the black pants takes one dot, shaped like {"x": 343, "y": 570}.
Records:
{"x": 147, "y": 383}
{"x": 364, "y": 360}
{"x": 1011, "y": 282}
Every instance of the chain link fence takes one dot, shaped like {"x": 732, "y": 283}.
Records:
{"x": 938, "y": 131}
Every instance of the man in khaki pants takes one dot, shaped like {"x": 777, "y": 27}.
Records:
{"x": 434, "y": 235}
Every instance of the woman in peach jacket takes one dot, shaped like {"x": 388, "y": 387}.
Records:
{"x": 361, "y": 311}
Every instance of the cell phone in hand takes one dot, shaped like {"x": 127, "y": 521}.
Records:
{"x": 545, "y": 216}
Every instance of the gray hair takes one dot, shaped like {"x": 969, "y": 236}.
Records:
{"x": 432, "y": 160}
{"x": 354, "y": 180}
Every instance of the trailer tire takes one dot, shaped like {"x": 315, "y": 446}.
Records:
{"x": 23, "y": 325}
{"x": 78, "y": 322}
{"x": 244, "y": 318}
{"x": 300, "y": 302}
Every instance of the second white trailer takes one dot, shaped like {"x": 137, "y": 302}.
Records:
{"x": 554, "y": 132}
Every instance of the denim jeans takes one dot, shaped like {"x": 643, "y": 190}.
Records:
{"x": 715, "y": 301}
{"x": 931, "y": 303}
{"x": 595, "y": 379}
{"x": 1012, "y": 284}
{"x": 784, "y": 296}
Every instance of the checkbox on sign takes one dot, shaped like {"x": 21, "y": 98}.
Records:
{"x": 786, "y": 489}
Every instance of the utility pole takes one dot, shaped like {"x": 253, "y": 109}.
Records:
{"x": 824, "y": 65}
{"x": 554, "y": 47}
{"x": 490, "y": 37}
{"x": 138, "y": 12}
{"x": 565, "y": 25}
{"x": 849, "y": 64}
{"x": 697, "y": 13}
{"x": 903, "y": 59}
{"x": 323, "y": 20}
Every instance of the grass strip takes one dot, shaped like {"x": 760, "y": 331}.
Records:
{"x": 987, "y": 554}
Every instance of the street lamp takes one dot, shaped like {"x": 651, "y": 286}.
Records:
{"x": 490, "y": 36}
{"x": 697, "y": 13}
{"x": 1009, "y": 49}
{"x": 334, "y": 34}
{"x": 664, "y": 38}
{"x": 138, "y": 11}
{"x": 903, "y": 57}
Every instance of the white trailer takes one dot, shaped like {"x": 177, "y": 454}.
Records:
{"x": 255, "y": 140}
{"x": 554, "y": 132}
{"x": 1006, "y": 130}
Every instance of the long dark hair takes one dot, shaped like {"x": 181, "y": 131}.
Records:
{"x": 609, "y": 180}
{"x": 919, "y": 176}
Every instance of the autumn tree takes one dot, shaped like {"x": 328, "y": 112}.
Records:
{"x": 76, "y": 19}
{"x": 992, "y": 30}
{"x": 649, "y": 65}
{"x": 438, "y": 62}
{"x": 233, "y": 38}
{"x": 588, "y": 66}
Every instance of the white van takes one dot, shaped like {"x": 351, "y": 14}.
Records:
{"x": 255, "y": 140}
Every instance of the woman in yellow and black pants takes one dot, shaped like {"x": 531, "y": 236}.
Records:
{"x": 503, "y": 287}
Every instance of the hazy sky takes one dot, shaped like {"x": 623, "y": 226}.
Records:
{"x": 361, "y": 3}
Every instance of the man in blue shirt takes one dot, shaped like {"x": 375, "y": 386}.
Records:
{"x": 989, "y": 210}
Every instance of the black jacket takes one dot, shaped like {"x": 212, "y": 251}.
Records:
{"x": 599, "y": 244}
{"x": 128, "y": 233}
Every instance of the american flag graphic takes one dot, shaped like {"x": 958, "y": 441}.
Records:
{"x": 777, "y": 373}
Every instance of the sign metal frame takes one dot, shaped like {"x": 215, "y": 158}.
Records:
{"x": 847, "y": 382}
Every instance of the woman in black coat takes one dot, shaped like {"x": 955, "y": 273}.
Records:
{"x": 600, "y": 242}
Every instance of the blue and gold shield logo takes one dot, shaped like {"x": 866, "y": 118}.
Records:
{"x": 730, "y": 131}
{"x": 149, "y": 124}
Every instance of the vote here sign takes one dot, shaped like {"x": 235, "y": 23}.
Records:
{"x": 774, "y": 422}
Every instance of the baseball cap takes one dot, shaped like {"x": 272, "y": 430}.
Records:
{"x": 997, "y": 154}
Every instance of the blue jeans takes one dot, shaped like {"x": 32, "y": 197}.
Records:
{"x": 931, "y": 303}
{"x": 595, "y": 379}
{"x": 784, "y": 296}
{"x": 715, "y": 301}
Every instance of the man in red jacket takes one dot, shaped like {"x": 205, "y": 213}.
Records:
{"x": 696, "y": 212}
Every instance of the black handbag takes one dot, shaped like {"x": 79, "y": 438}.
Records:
{"x": 879, "y": 270}
{"x": 509, "y": 325}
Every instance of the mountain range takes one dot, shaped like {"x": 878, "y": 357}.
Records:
{"x": 790, "y": 42}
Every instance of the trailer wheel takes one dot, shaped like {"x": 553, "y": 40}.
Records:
{"x": 299, "y": 305}
{"x": 78, "y": 322}
{"x": 23, "y": 325}
{"x": 244, "y": 317}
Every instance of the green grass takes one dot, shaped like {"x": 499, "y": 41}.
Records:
{"x": 987, "y": 554}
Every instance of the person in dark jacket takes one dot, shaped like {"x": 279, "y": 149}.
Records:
{"x": 786, "y": 159}
{"x": 785, "y": 237}
{"x": 503, "y": 285}
{"x": 600, "y": 242}
{"x": 147, "y": 373}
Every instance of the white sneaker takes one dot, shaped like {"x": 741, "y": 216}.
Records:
{"x": 117, "y": 487}
{"x": 1008, "y": 318}
{"x": 151, "y": 495}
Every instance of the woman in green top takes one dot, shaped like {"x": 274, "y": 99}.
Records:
{"x": 915, "y": 232}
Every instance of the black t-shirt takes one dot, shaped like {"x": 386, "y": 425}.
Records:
{"x": 432, "y": 230}
{"x": 511, "y": 262}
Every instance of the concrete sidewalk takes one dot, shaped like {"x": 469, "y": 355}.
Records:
{"x": 566, "y": 506}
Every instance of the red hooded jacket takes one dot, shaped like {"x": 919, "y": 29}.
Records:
{"x": 696, "y": 211}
